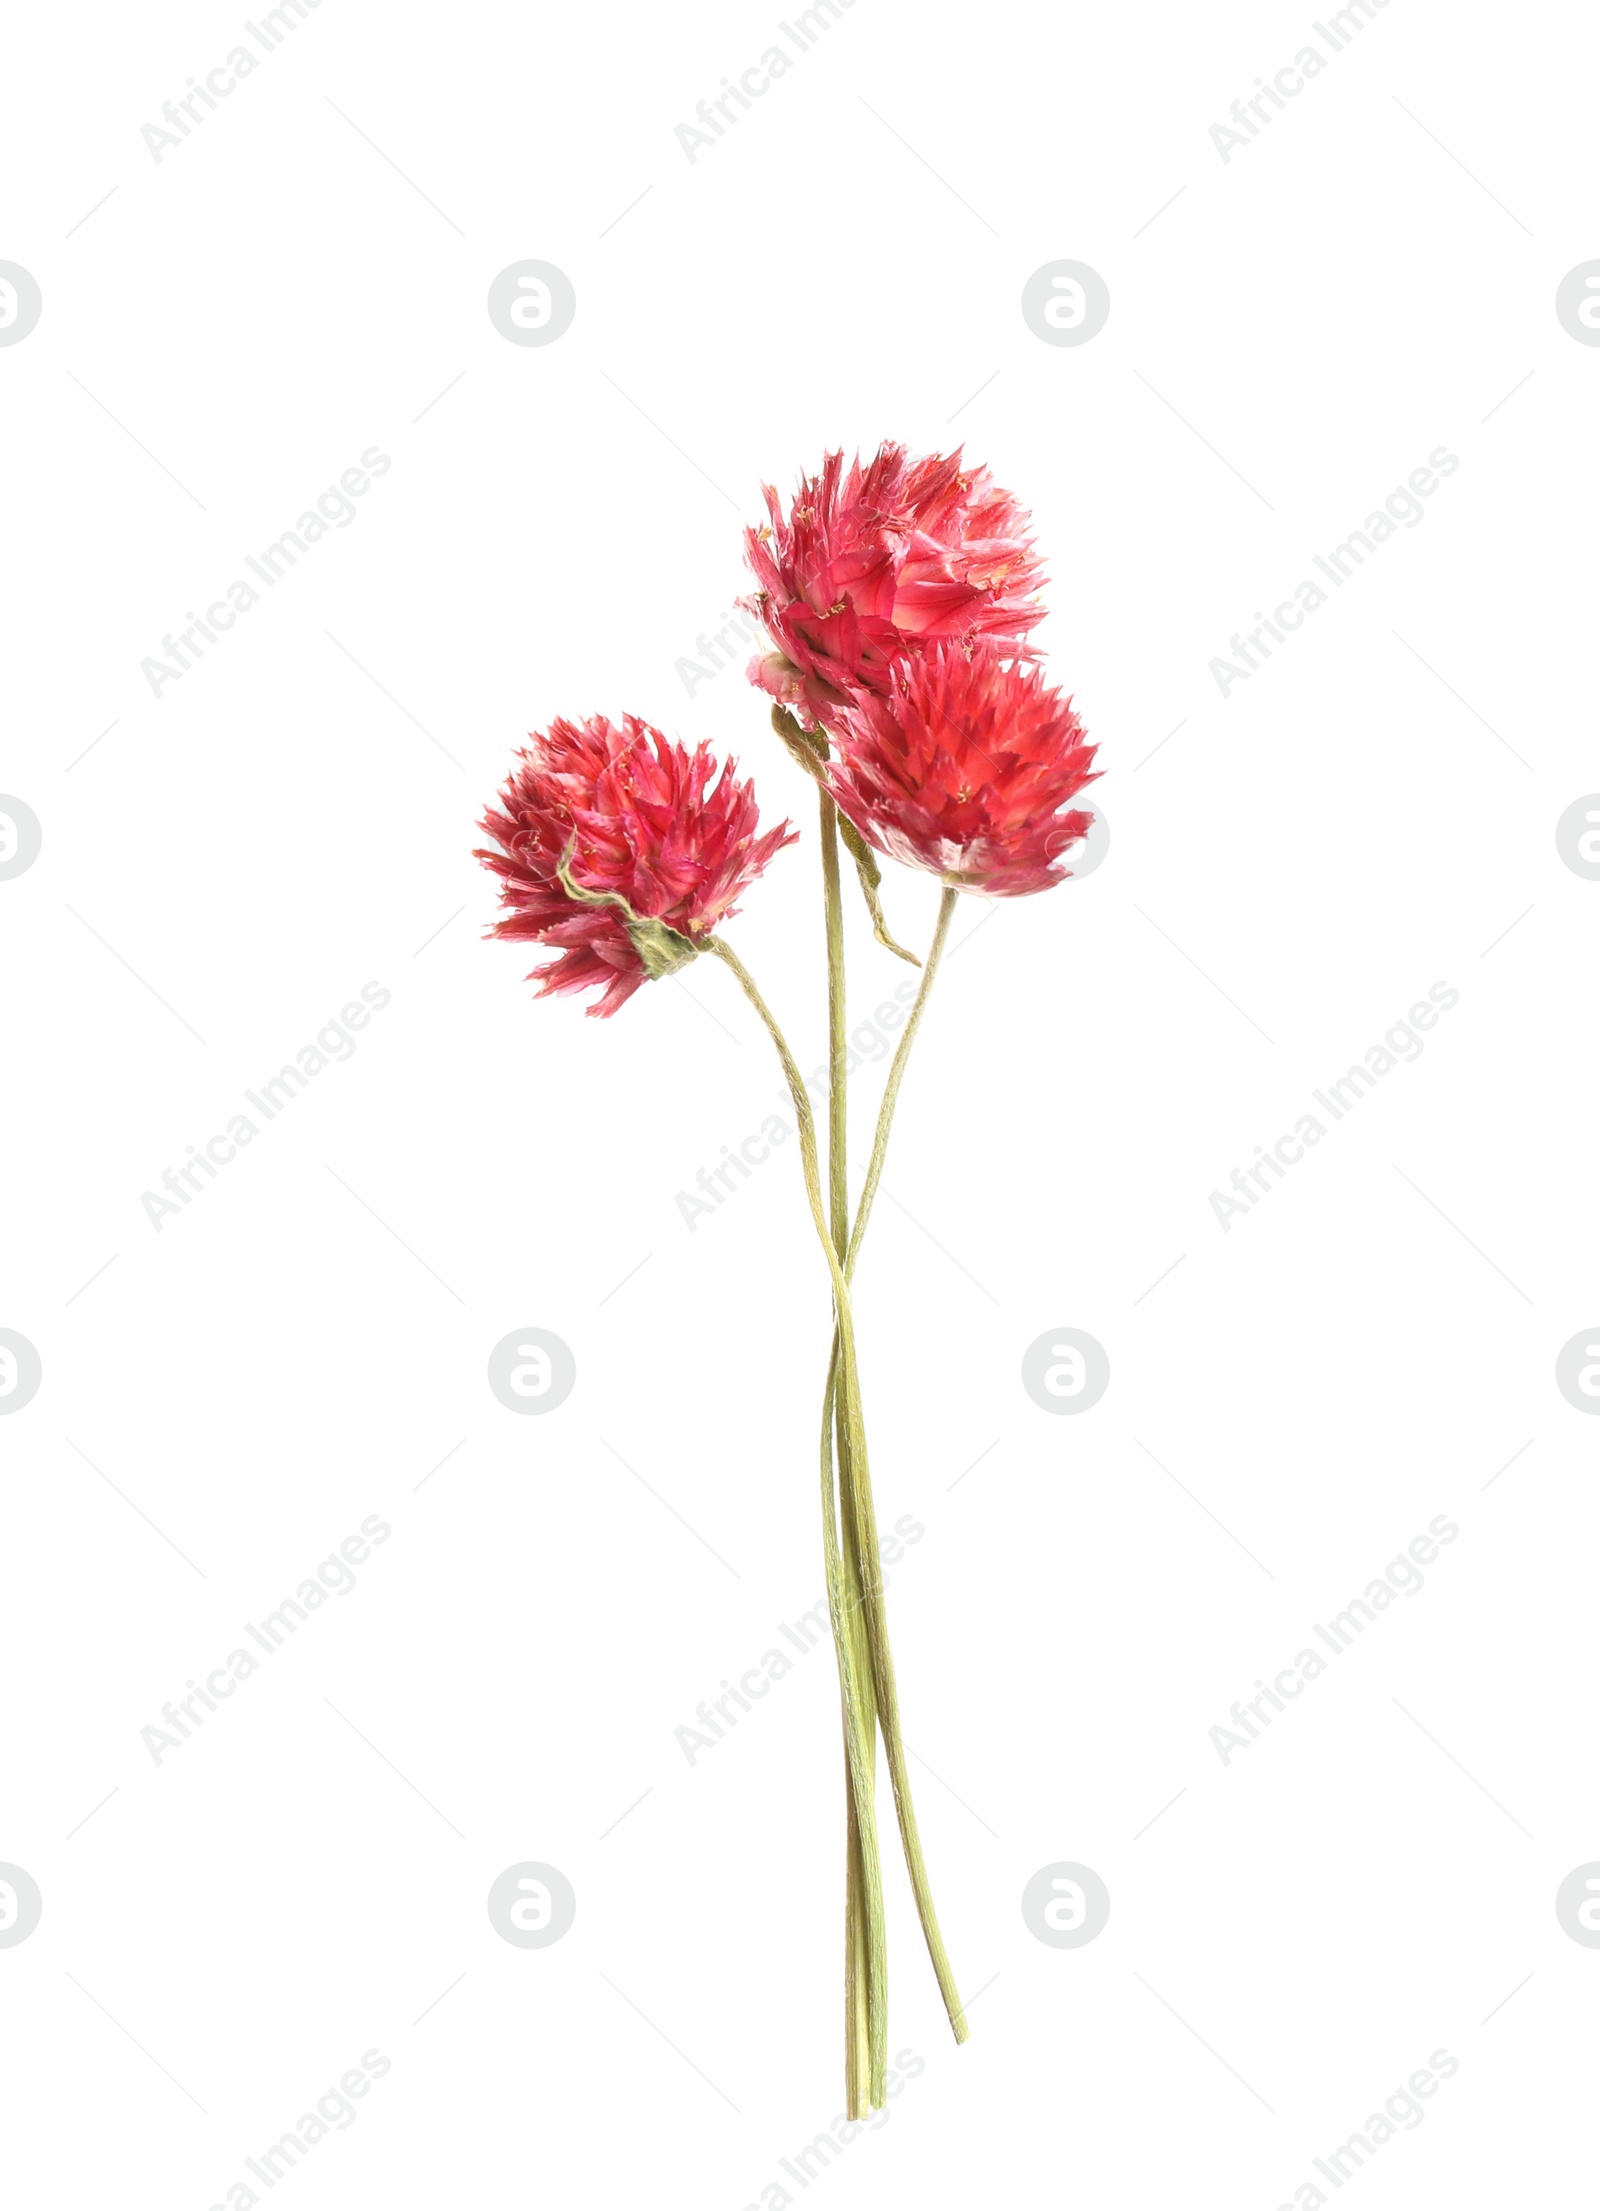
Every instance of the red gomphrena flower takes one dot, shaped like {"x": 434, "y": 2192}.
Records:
{"x": 632, "y": 816}
{"x": 963, "y": 768}
{"x": 881, "y": 559}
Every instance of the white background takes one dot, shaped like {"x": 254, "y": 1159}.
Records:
{"x": 305, "y": 1343}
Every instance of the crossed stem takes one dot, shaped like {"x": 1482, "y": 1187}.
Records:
{"x": 851, "y": 1553}
{"x": 860, "y": 1503}
{"x": 865, "y": 1945}
{"x": 854, "y": 1681}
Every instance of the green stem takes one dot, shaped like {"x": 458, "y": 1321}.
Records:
{"x": 883, "y": 1681}
{"x": 855, "y": 1686}
{"x": 838, "y": 1049}
{"x": 861, "y": 2092}
{"x": 857, "y": 1961}
{"x": 865, "y": 1943}
{"x": 882, "y": 1660}
{"x": 897, "y": 1068}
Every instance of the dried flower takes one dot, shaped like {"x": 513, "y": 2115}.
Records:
{"x": 621, "y": 849}
{"x": 963, "y": 768}
{"x": 882, "y": 559}
{"x": 900, "y": 596}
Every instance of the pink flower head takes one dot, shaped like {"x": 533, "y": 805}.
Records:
{"x": 639, "y": 825}
{"x": 963, "y": 767}
{"x": 874, "y": 562}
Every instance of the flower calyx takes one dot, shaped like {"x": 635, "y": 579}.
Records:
{"x": 662, "y": 950}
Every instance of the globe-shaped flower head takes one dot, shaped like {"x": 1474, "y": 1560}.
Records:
{"x": 621, "y": 849}
{"x": 964, "y": 767}
{"x": 879, "y": 560}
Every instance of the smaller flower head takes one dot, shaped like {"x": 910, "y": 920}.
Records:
{"x": 622, "y": 850}
{"x": 881, "y": 559}
{"x": 963, "y": 767}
